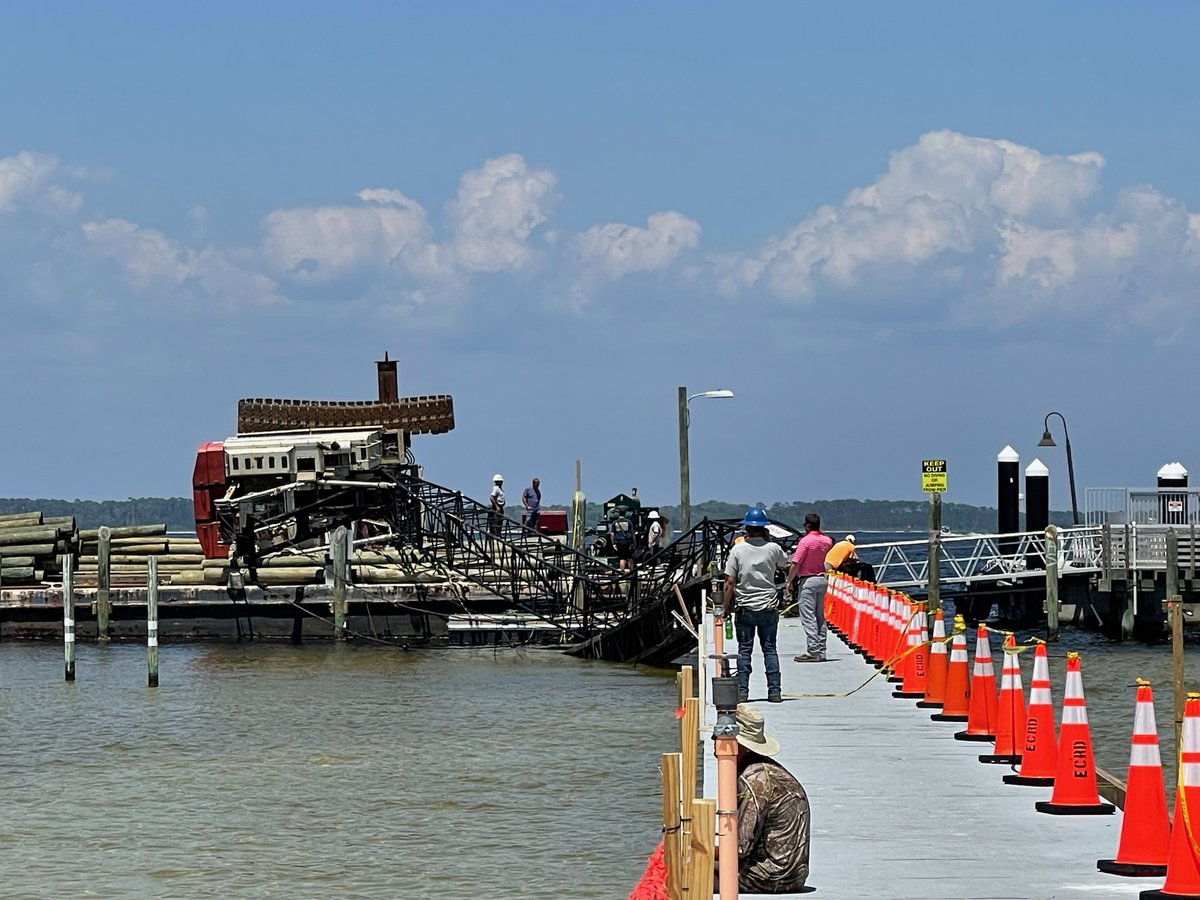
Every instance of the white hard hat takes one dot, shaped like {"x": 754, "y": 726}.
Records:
{"x": 497, "y": 477}
{"x": 850, "y": 538}
{"x": 653, "y": 514}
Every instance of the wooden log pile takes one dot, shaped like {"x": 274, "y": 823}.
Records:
{"x": 30, "y": 545}
{"x": 129, "y": 548}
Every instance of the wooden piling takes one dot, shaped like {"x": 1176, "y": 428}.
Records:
{"x": 103, "y": 582}
{"x": 152, "y": 621}
{"x": 68, "y": 601}
{"x": 337, "y": 554}
{"x": 1051, "y": 583}
{"x": 935, "y": 554}
{"x": 702, "y": 849}
{"x": 672, "y": 850}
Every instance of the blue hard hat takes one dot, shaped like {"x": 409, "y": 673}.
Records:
{"x": 755, "y": 517}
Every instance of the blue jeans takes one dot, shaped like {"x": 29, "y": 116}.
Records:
{"x": 766, "y": 622}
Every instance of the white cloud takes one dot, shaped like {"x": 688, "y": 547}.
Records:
{"x": 615, "y": 249}
{"x": 317, "y": 245}
{"x": 151, "y": 260}
{"x": 995, "y": 231}
{"x": 27, "y": 181}
{"x": 498, "y": 207}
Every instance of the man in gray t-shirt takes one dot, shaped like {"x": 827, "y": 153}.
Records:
{"x": 750, "y": 579}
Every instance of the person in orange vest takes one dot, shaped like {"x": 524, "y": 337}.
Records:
{"x": 842, "y": 557}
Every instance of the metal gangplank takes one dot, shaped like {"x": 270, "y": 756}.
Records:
{"x": 544, "y": 576}
{"x": 1093, "y": 550}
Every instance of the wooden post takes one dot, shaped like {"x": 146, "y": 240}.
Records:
{"x": 103, "y": 582}
{"x": 1175, "y": 604}
{"x": 1051, "y": 583}
{"x": 704, "y": 828}
{"x": 672, "y": 850}
{"x": 689, "y": 728}
{"x": 935, "y": 555}
{"x": 152, "y": 621}
{"x": 68, "y": 570}
{"x": 337, "y": 552}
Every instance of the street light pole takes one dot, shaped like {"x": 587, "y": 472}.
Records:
{"x": 1048, "y": 441}
{"x": 685, "y": 489}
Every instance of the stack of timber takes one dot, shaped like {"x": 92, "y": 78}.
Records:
{"x": 129, "y": 548}
{"x": 30, "y": 546}
{"x": 386, "y": 565}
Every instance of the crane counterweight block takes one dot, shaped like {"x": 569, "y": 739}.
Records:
{"x": 432, "y": 414}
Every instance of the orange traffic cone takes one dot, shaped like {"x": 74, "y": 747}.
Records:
{"x": 914, "y": 665}
{"x": 935, "y": 676}
{"x": 956, "y": 702}
{"x": 1145, "y": 832}
{"x": 1183, "y": 862}
{"x": 1075, "y": 791}
{"x": 1039, "y": 755}
{"x": 1011, "y": 716}
{"x": 981, "y": 715}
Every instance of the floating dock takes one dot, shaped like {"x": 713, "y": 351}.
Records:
{"x": 903, "y": 811}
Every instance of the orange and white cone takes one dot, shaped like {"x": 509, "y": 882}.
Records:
{"x": 1183, "y": 862}
{"x": 915, "y": 662}
{"x": 939, "y": 659}
{"x": 1039, "y": 753}
{"x": 1010, "y": 718}
{"x": 956, "y": 703}
{"x": 981, "y": 714}
{"x": 1145, "y": 829}
{"x": 1075, "y": 792}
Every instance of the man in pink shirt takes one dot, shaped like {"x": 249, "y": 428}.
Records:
{"x": 808, "y": 568}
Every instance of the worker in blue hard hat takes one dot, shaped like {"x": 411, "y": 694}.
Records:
{"x": 750, "y": 586}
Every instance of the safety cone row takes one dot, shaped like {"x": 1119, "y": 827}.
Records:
{"x": 1039, "y": 751}
{"x": 956, "y": 703}
{"x": 939, "y": 659}
{"x": 1075, "y": 792}
{"x": 981, "y": 712}
{"x": 1183, "y": 862}
{"x": 1145, "y": 829}
{"x": 1010, "y": 716}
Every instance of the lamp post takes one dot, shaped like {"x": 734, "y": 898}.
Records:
{"x": 1048, "y": 441}
{"x": 685, "y": 490}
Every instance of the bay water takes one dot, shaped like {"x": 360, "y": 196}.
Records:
{"x": 272, "y": 770}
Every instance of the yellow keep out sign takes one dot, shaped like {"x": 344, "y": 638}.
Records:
{"x": 933, "y": 476}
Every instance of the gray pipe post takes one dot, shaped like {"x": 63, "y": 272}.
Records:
{"x": 1051, "y": 583}
{"x": 935, "y": 553}
{"x": 103, "y": 581}
{"x": 337, "y": 552}
{"x": 68, "y": 571}
{"x": 152, "y": 621}
{"x": 685, "y": 488}
{"x": 1175, "y": 611}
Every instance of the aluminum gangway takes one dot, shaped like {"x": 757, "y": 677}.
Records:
{"x": 1106, "y": 551}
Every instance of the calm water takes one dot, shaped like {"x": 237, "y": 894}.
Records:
{"x": 261, "y": 770}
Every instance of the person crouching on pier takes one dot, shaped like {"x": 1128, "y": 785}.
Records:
{"x": 750, "y": 582}
{"x": 774, "y": 821}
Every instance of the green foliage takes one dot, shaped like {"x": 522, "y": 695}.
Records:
{"x": 176, "y": 512}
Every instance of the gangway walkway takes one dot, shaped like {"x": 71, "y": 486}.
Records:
{"x": 901, "y": 810}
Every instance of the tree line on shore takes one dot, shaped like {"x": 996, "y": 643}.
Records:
{"x": 836, "y": 515}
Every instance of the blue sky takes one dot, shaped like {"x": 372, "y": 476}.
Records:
{"x": 896, "y": 231}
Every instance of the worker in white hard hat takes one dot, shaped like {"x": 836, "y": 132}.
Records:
{"x": 842, "y": 557}
{"x": 496, "y": 509}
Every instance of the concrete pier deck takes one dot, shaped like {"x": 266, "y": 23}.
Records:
{"x": 903, "y": 811}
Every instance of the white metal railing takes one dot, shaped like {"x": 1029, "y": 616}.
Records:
{"x": 966, "y": 559}
{"x": 1142, "y": 506}
{"x": 1085, "y": 549}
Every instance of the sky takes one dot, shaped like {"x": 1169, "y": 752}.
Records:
{"x": 894, "y": 231}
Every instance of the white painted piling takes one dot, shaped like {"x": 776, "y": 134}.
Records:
{"x": 152, "y": 621}
{"x": 68, "y": 606}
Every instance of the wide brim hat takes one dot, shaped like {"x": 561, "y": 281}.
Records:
{"x": 752, "y": 731}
